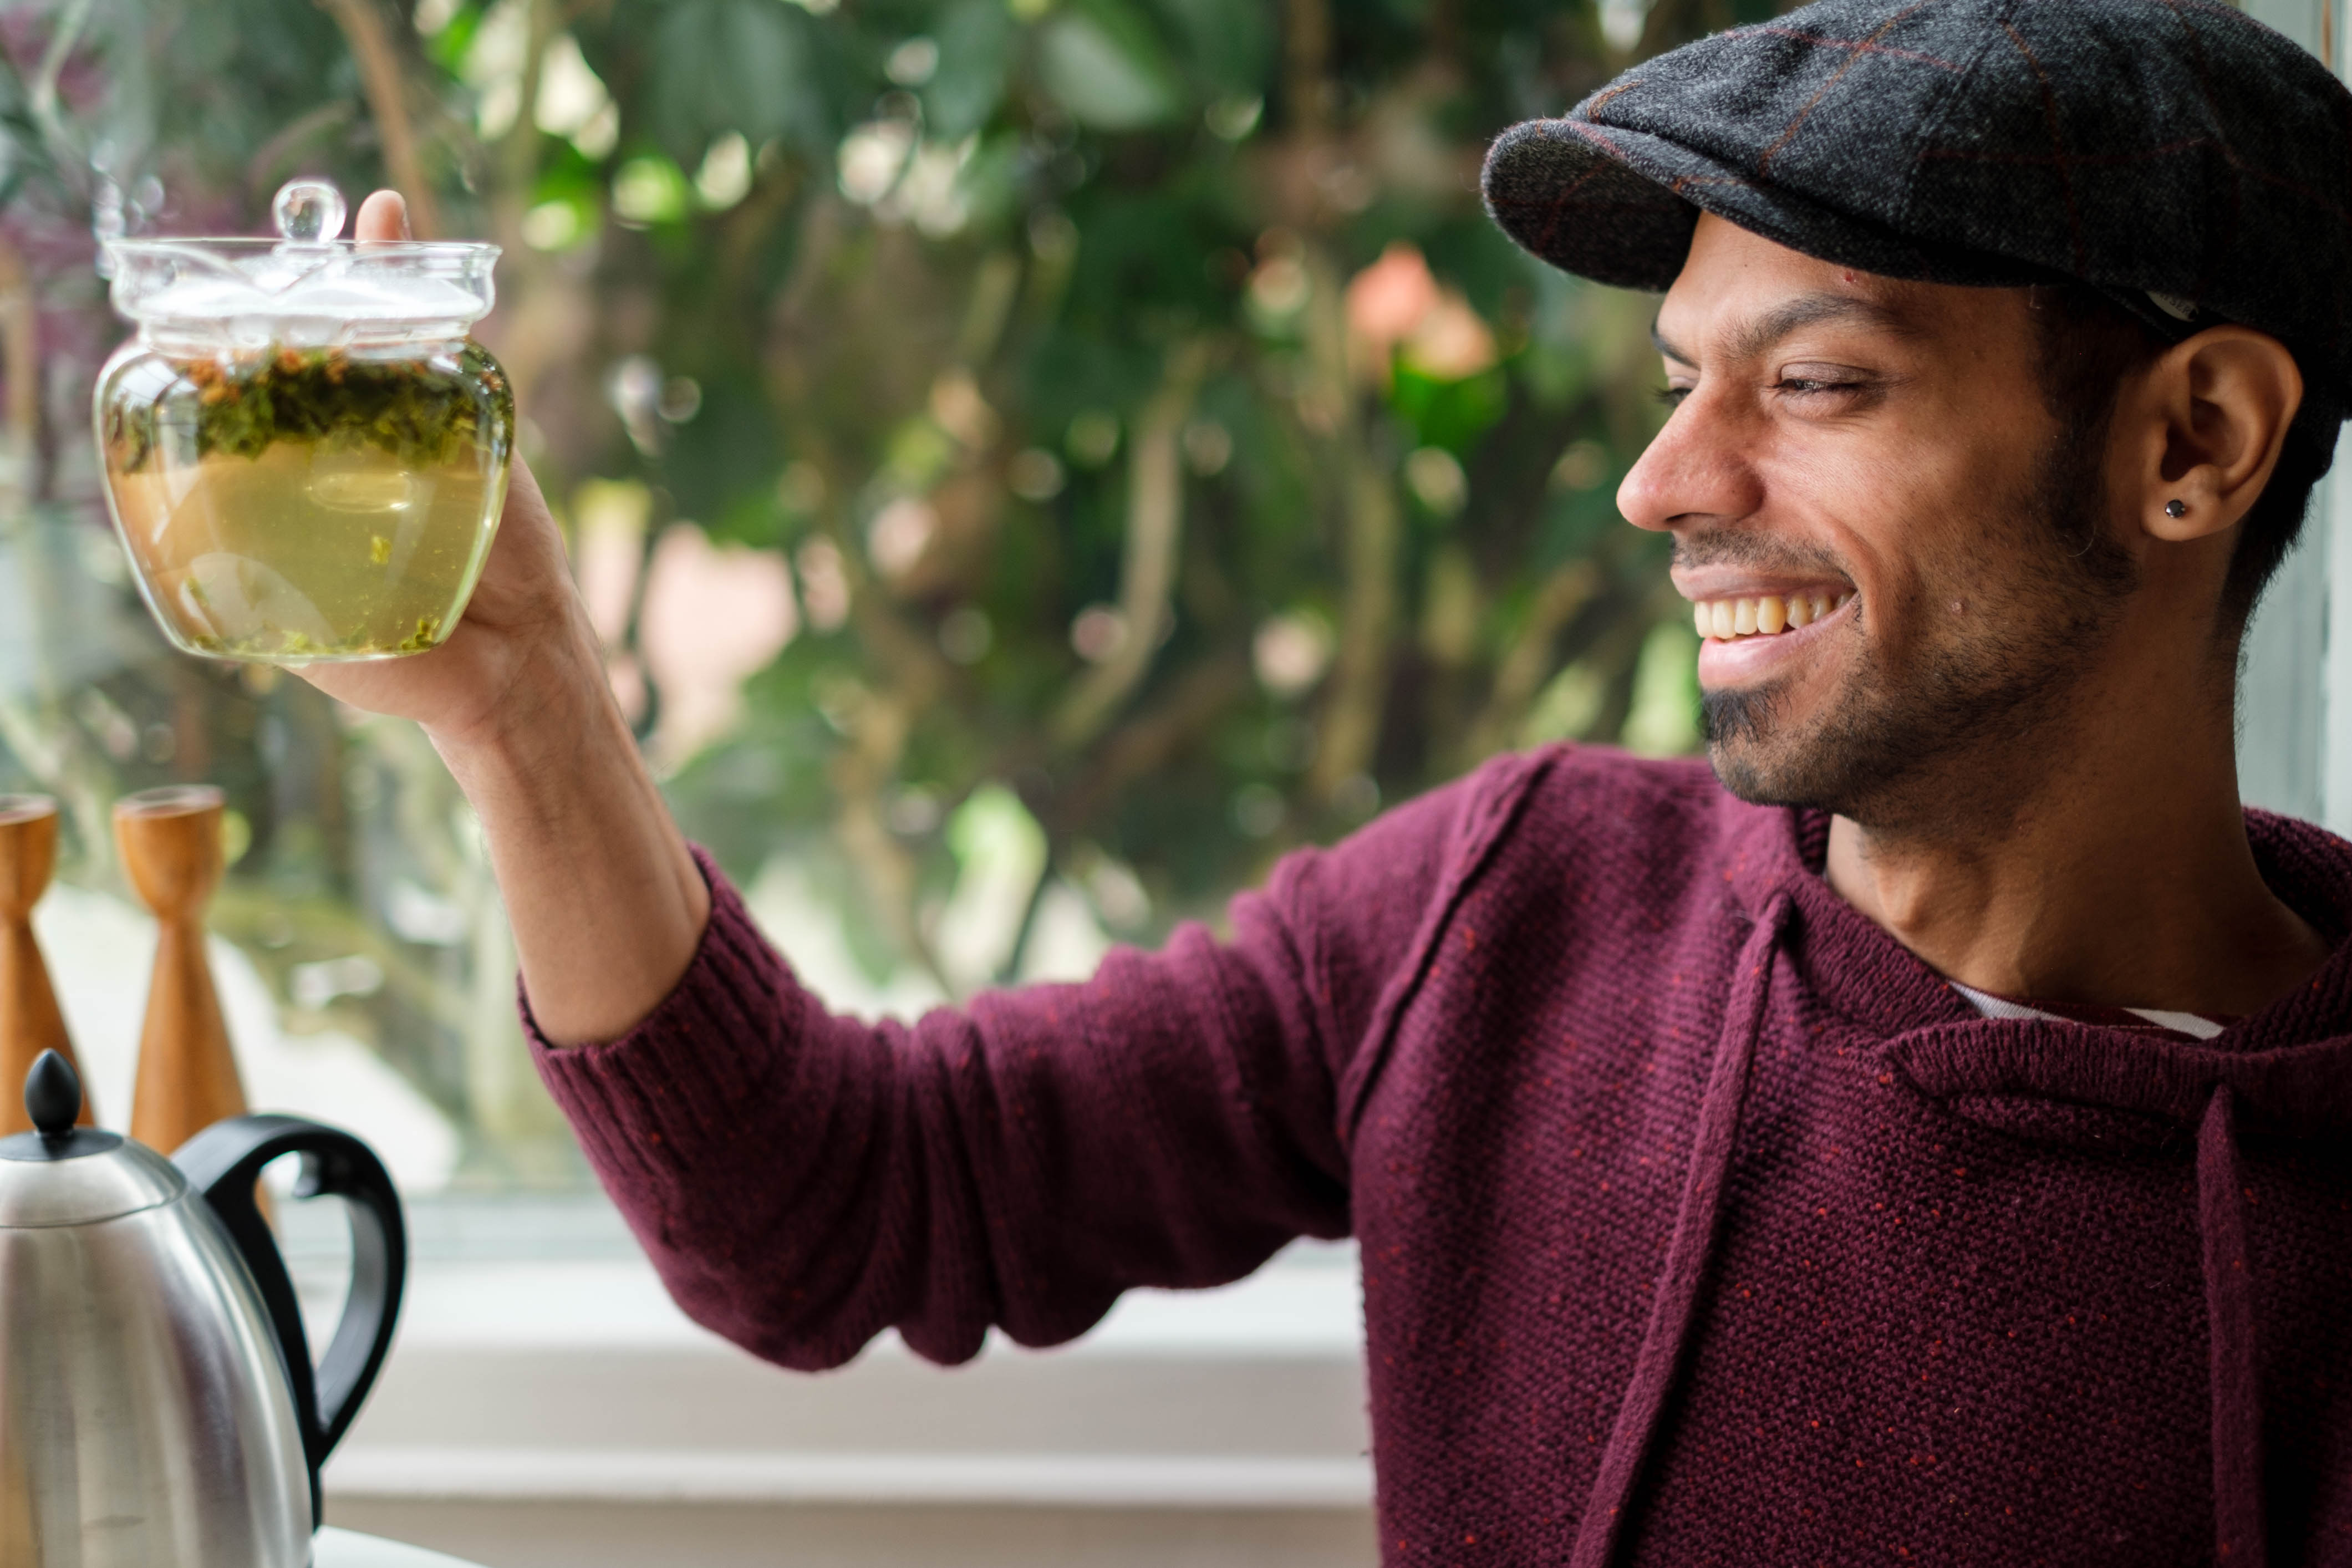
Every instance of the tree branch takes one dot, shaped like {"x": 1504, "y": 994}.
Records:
{"x": 878, "y": 726}
{"x": 20, "y": 363}
{"x": 1373, "y": 533}
{"x": 386, "y": 86}
{"x": 1307, "y": 50}
{"x": 1155, "y": 510}
{"x": 1152, "y": 740}
{"x": 859, "y": 772}
{"x": 1529, "y": 660}
{"x": 262, "y": 170}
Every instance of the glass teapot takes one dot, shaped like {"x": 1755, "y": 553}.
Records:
{"x": 305, "y": 453}
{"x": 158, "y": 1405}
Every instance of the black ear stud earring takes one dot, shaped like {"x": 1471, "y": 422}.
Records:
{"x": 2176, "y": 509}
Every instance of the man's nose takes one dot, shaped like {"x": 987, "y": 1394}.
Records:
{"x": 1693, "y": 472}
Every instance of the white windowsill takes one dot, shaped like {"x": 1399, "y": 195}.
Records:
{"x": 580, "y": 1380}
{"x": 703, "y": 1476}
{"x": 1304, "y": 1302}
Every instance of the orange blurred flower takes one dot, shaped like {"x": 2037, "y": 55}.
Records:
{"x": 1387, "y": 300}
{"x": 1451, "y": 342}
{"x": 1397, "y": 303}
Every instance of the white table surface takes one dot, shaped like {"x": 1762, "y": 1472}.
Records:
{"x": 346, "y": 1549}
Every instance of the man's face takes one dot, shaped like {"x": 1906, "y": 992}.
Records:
{"x": 1881, "y": 525}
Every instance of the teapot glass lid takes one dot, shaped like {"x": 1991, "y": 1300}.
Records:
{"x": 308, "y": 288}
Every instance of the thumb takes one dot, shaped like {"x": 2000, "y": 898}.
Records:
{"x": 383, "y": 216}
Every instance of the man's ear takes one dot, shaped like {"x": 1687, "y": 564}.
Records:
{"x": 2200, "y": 430}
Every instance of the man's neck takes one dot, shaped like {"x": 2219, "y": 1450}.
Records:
{"x": 2117, "y": 880}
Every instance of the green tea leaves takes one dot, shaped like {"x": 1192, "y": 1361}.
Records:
{"x": 424, "y": 412}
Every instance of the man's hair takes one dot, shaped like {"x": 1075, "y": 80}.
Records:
{"x": 2089, "y": 344}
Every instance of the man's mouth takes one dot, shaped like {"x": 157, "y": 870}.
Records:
{"x": 1768, "y": 614}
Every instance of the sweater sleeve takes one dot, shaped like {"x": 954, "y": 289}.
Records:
{"x": 803, "y": 1181}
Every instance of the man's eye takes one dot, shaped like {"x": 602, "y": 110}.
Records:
{"x": 1672, "y": 396}
{"x": 1801, "y": 386}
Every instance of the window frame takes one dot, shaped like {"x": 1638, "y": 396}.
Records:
{"x": 2295, "y": 701}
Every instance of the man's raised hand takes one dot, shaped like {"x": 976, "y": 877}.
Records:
{"x": 606, "y": 903}
{"x": 524, "y": 638}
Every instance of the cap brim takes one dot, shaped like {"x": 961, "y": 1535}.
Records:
{"x": 1555, "y": 188}
{"x": 1618, "y": 206}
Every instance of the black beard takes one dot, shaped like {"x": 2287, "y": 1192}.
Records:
{"x": 1888, "y": 754}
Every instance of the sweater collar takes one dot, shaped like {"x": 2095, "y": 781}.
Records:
{"x": 1844, "y": 959}
{"x": 1851, "y": 966}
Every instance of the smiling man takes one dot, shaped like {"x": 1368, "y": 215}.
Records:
{"x": 1926, "y": 1136}
{"x": 1984, "y": 609}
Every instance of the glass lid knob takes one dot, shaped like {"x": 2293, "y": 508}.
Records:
{"x": 308, "y": 212}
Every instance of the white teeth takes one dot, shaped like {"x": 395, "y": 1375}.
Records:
{"x": 1723, "y": 619}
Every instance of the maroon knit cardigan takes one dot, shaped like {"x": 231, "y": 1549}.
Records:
{"x": 1700, "y": 1222}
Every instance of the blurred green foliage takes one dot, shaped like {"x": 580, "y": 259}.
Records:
{"x": 1159, "y": 436}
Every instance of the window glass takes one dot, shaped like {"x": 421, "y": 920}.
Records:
{"x": 1030, "y": 465}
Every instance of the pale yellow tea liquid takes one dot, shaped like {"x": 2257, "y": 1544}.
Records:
{"x": 297, "y": 518}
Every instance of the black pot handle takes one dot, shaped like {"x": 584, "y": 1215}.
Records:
{"x": 224, "y": 1163}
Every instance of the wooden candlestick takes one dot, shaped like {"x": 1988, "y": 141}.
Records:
{"x": 29, "y": 1020}
{"x": 171, "y": 844}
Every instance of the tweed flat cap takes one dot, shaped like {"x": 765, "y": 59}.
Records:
{"x": 2188, "y": 161}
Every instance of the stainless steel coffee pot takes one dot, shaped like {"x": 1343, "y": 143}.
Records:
{"x": 158, "y": 1405}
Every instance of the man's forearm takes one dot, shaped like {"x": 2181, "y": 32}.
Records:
{"x": 607, "y": 904}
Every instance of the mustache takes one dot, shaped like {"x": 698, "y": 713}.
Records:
{"x": 1734, "y": 547}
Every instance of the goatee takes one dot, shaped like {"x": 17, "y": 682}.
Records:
{"x": 1884, "y": 752}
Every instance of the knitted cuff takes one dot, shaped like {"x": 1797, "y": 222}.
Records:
{"x": 672, "y": 1092}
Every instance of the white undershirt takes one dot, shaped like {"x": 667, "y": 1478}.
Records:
{"x": 2194, "y": 1025}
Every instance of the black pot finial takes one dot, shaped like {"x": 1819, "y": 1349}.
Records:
{"x": 53, "y": 1096}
